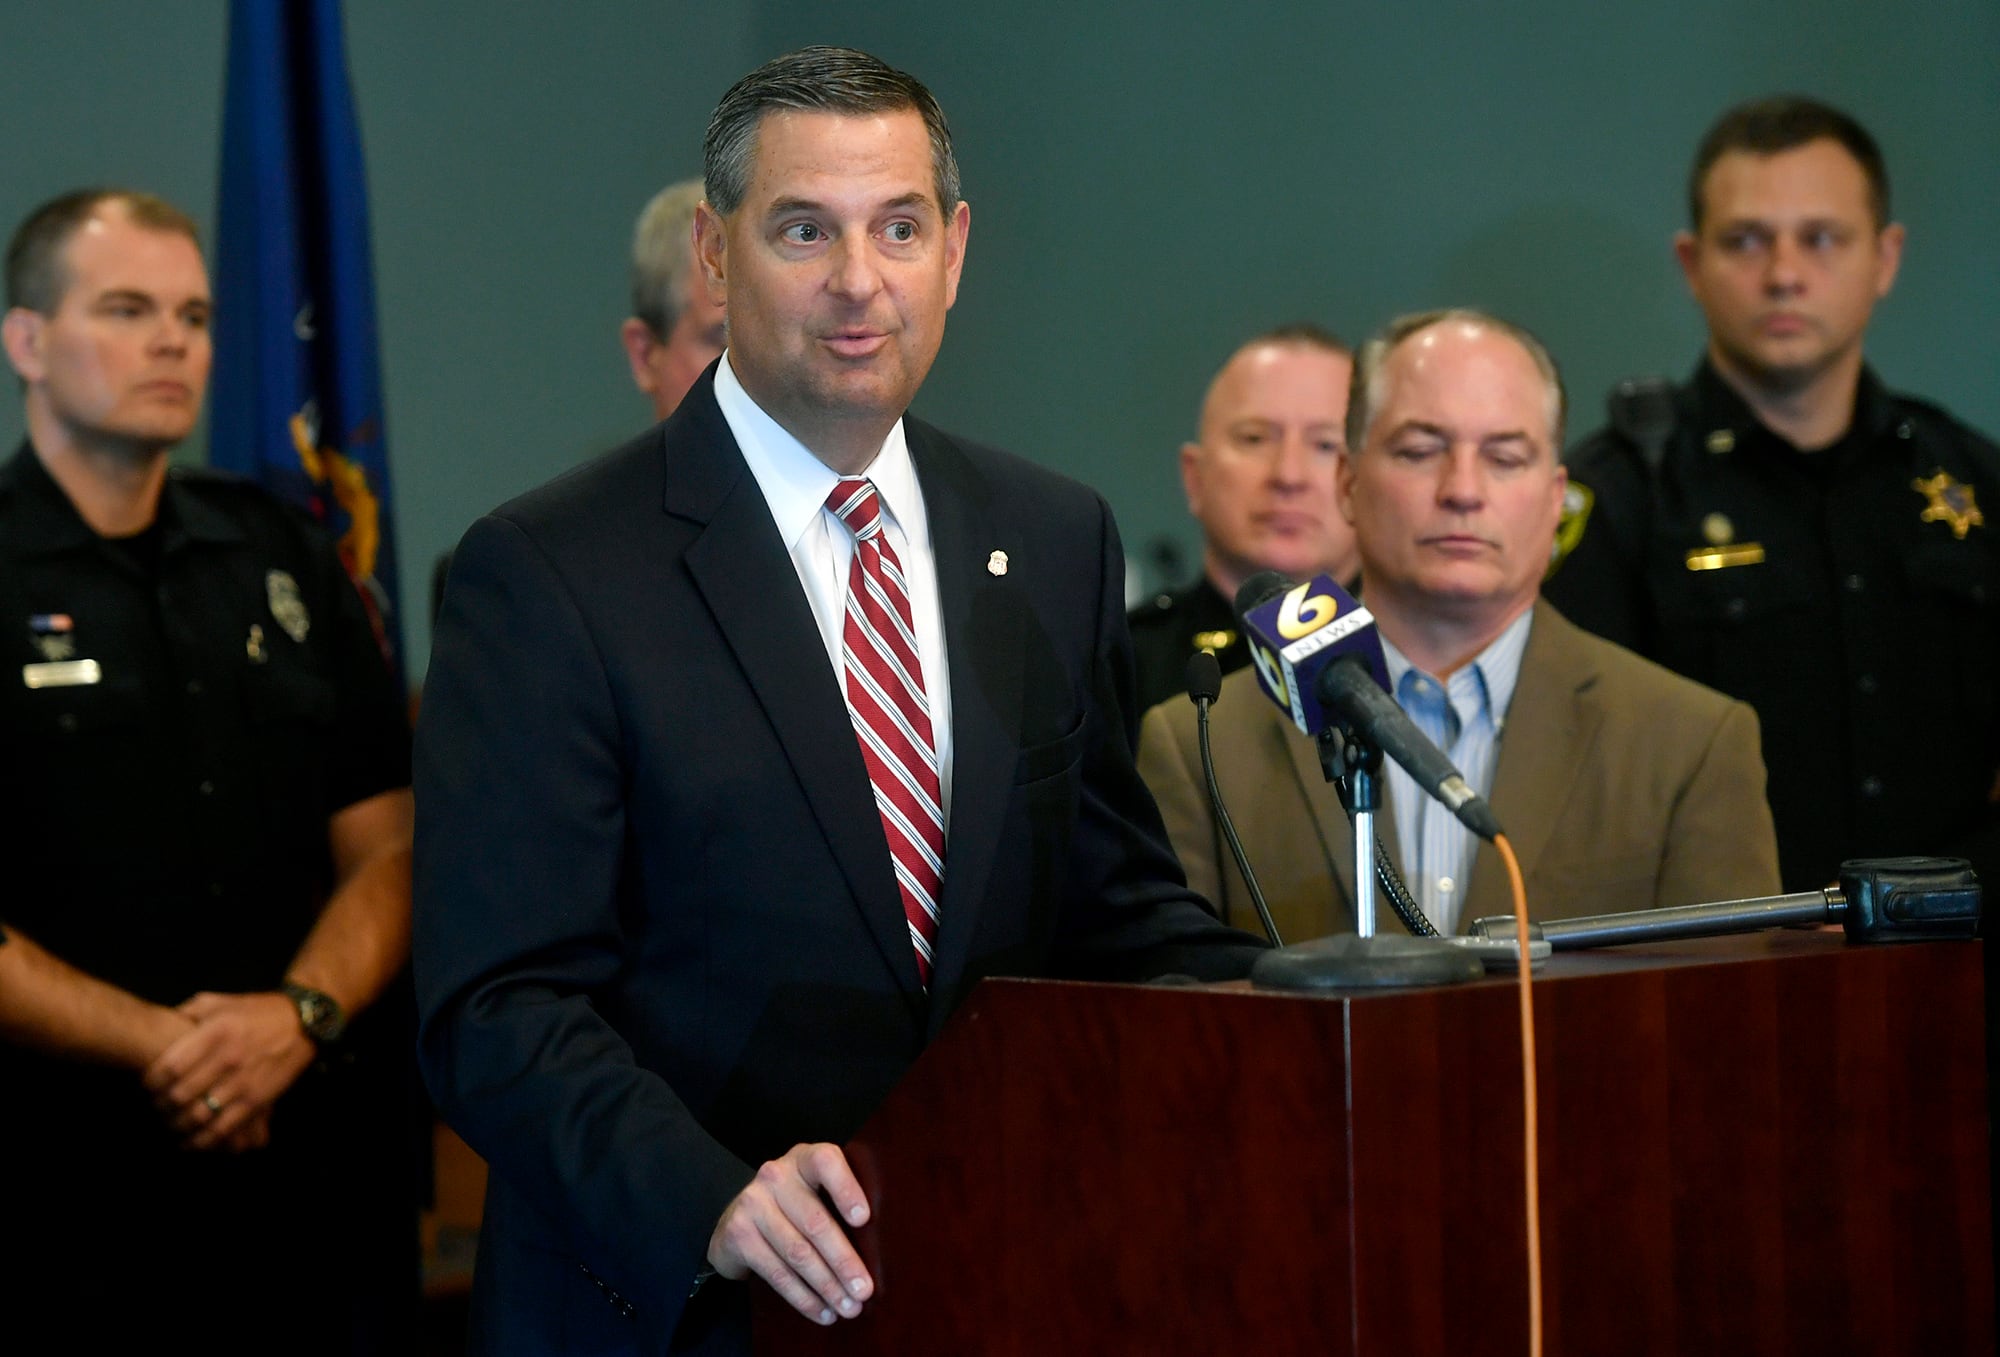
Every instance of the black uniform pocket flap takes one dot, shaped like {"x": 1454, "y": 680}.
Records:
{"x": 70, "y": 709}
{"x": 1736, "y": 593}
{"x": 1957, "y": 570}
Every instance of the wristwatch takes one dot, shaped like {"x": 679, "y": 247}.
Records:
{"x": 319, "y": 1013}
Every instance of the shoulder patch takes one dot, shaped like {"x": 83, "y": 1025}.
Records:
{"x": 1578, "y": 501}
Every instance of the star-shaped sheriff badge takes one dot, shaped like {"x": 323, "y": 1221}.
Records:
{"x": 1951, "y": 501}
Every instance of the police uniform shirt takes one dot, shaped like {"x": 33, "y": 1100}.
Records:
{"x": 1172, "y": 627}
{"x": 182, "y": 712}
{"x": 1851, "y": 595}
{"x": 179, "y": 729}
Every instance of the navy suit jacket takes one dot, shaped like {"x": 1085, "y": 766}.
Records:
{"x": 658, "y": 937}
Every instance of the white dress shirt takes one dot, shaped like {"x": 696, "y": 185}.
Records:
{"x": 796, "y": 485}
{"x": 1464, "y": 716}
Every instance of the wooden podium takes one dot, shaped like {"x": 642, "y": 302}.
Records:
{"x": 1774, "y": 1144}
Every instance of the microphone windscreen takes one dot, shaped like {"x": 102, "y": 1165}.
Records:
{"x": 1204, "y": 677}
{"x": 1259, "y": 589}
{"x": 1298, "y": 633}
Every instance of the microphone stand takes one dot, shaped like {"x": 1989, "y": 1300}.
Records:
{"x": 1364, "y": 959}
{"x": 1362, "y": 793}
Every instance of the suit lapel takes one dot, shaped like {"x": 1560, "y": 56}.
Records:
{"x": 983, "y": 616}
{"x": 1548, "y": 735}
{"x": 741, "y": 566}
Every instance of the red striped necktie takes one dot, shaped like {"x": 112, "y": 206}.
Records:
{"x": 892, "y": 718}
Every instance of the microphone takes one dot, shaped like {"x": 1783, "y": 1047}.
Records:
{"x": 1318, "y": 655}
{"x": 1204, "y": 685}
{"x": 1204, "y": 679}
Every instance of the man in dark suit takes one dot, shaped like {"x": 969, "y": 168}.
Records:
{"x": 735, "y": 775}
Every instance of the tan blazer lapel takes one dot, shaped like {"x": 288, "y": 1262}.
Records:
{"x": 1548, "y": 735}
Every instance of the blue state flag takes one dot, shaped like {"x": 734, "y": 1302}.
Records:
{"x": 298, "y": 387}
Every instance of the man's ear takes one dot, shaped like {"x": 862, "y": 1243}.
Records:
{"x": 1888, "y": 257}
{"x": 1191, "y": 476}
{"x": 21, "y": 332}
{"x": 1687, "y": 253}
{"x": 638, "y": 339}
{"x": 1343, "y": 483}
{"x": 956, "y": 232}
{"x": 711, "y": 249}
{"x": 1559, "y": 488}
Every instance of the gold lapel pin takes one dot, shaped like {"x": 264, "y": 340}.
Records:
{"x": 996, "y": 564}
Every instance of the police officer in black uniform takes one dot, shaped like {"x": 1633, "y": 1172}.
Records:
{"x": 1785, "y": 529}
{"x": 205, "y": 820}
{"x": 1260, "y": 481}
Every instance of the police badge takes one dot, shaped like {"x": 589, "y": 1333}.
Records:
{"x": 286, "y": 605}
{"x": 1949, "y": 501}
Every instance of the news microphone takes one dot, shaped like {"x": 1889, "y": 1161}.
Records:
{"x": 1204, "y": 685}
{"x": 1294, "y": 631}
{"x": 1318, "y": 655}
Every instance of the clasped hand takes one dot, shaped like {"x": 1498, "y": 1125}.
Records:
{"x": 217, "y": 1082}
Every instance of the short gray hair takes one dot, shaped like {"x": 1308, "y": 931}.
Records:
{"x": 816, "y": 80}
{"x": 662, "y": 248}
{"x": 1364, "y": 393}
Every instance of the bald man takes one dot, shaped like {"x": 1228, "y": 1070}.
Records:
{"x": 1260, "y": 482}
{"x": 1622, "y": 786}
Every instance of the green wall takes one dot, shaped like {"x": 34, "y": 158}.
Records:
{"x": 1150, "y": 183}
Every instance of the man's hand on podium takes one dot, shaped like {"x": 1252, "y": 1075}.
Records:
{"x": 780, "y": 1229}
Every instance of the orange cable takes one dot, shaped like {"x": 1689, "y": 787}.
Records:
{"x": 1529, "y": 1132}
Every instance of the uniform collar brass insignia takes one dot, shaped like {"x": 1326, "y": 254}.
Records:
{"x": 1212, "y": 641}
{"x": 1951, "y": 502}
{"x": 286, "y": 605}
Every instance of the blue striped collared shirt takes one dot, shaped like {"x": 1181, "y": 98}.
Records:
{"x": 1464, "y": 716}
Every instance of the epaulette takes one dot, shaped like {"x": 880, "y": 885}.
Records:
{"x": 1152, "y": 611}
{"x": 1642, "y": 412}
{"x": 1926, "y": 409}
{"x": 244, "y": 494}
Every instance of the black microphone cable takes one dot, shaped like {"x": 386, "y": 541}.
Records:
{"x": 1204, "y": 685}
{"x": 1400, "y": 900}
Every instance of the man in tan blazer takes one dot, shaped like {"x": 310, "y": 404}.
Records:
{"x": 1620, "y": 785}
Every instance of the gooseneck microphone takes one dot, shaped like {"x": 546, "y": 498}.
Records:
{"x": 1204, "y": 685}
{"x": 1318, "y": 656}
